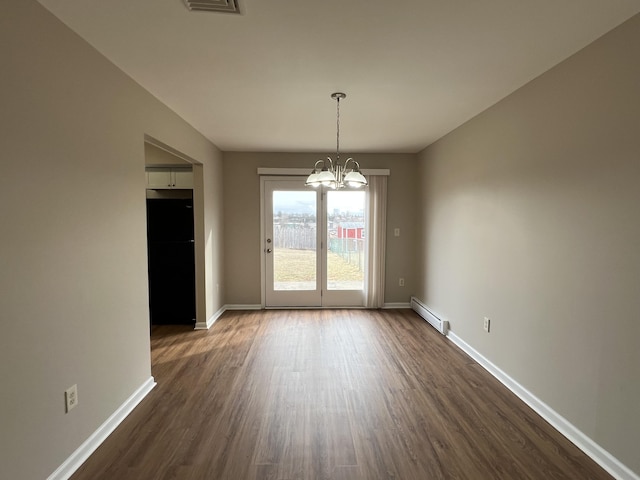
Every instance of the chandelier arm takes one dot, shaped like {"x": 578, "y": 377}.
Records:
{"x": 315, "y": 167}
{"x": 331, "y": 165}
{"x": 350, "y": 159}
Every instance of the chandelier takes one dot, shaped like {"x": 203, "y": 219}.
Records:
{"x": 331, "y": 174}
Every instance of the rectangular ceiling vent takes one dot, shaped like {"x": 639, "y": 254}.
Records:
{"x": 225, "y": 6}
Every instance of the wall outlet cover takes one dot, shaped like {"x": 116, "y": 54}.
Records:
{"x": 487, "y": 324}
{"x": 71, "y": 398}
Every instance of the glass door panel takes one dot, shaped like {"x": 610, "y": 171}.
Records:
{"x": 292, "y": 266}
{"x": 294, "y": 240}
{"x": 345, "y": 258}
{"x": 345, "y": 240}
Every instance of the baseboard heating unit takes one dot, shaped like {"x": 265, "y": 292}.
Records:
{"x": 440, "y": 325}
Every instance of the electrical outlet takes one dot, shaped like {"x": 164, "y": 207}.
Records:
{"x": 487, "y": 324}
{"x": 401, "y": 282}
{"x": 396, "y": 232}
{"x": 71, "y": 398}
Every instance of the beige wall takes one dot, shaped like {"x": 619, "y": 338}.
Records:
{"x": 530, "y": 217}
{"x": 154, "y": 155}
{"x": 213, "y": 236}
{"x": 73, "y": 275}
{"x": 242, "y": 219}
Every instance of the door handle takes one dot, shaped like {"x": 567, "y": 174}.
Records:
{"x": 268, "y": 250}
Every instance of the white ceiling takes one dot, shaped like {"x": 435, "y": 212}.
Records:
{"x": 413, "y": 70}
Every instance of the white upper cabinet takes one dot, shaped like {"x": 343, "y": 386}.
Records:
{"x": 169, "y": 177}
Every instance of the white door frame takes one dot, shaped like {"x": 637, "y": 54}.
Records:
{"x": 333, "y": 298}
{"x": 297, "y": 298}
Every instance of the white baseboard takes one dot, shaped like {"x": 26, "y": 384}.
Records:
{"x": 244, "y": 307}
{"x": 77, "y": 458}
{"x": 218, "y": 314}
{"x": 396, "y": 305}
{"x": 207, "y": 325}
{"x": 603, "y": 458}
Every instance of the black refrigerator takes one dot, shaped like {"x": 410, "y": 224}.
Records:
{"x": 172, "y": 288}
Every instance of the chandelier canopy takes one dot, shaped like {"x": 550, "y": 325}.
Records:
{"x": 331, "y": 174}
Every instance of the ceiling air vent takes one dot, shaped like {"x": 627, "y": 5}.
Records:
{"x": 226, "y": 6}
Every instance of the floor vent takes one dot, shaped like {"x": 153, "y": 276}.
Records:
{"x": 440, "y": 325}
{"x": 224, "y": 6}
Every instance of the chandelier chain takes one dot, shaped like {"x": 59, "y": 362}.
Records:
{"x": 338, "y": 130}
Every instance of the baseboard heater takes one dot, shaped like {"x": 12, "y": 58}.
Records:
{"x": 440, "y": 325}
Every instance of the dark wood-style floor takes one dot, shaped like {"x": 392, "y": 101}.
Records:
{"x": 328, "y": 394}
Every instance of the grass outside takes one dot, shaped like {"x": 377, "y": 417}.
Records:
{"x": 300, "y": 266}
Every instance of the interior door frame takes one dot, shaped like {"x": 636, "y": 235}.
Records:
{"x": 198, "y": 214}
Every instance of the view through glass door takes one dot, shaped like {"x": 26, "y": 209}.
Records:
{"x": 315, "y": 245}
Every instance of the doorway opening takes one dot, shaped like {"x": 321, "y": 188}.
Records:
{"x": 171, "y": 257}
{"x": 173, "y": 177}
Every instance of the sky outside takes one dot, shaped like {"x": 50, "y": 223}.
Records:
{"x": 304, "y": 201}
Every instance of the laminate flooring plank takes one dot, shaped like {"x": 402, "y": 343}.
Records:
{"x": 328, "y": 395}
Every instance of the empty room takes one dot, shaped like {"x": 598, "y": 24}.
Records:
{"x": 320, "y": 240}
